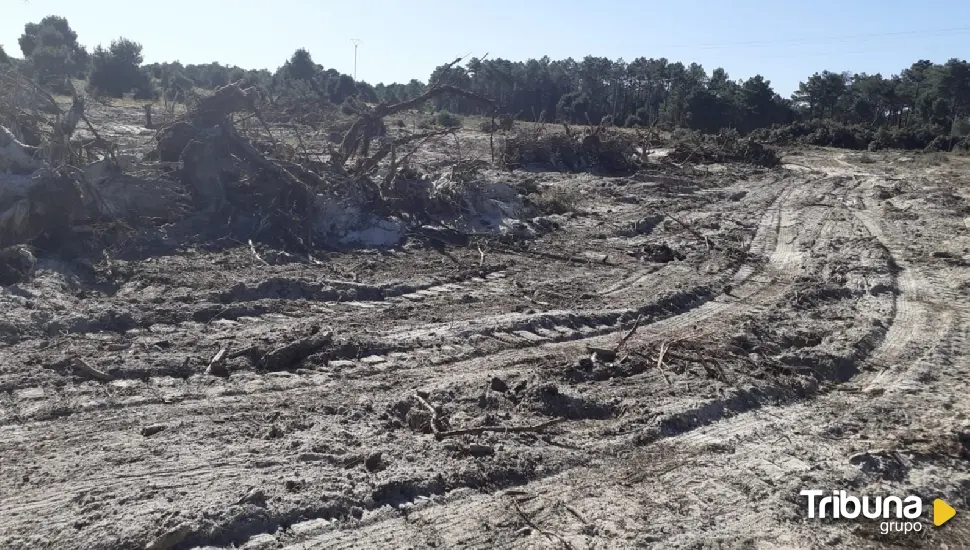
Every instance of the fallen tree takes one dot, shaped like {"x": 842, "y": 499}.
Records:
{"x": 57, "y": 194}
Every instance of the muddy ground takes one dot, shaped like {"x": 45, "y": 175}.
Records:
{"x": 678, "y": 354}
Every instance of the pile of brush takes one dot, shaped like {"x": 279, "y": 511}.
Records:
{"x": 601, "y": 150}
{"x": 725, "y": 146}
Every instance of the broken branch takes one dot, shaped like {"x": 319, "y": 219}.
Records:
{"x": 548, "y": 534}
{"x": 691, "y": 230}
{"x": 628, "y": 335}
{"x": 664, "y": 346}
{"x": 85, "y": 368}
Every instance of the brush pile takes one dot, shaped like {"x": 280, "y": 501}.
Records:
{"x": 725, "y": 146}
{"x": 602, "y": 150}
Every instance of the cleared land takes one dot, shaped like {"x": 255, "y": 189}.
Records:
{"x": 667, "y": 362}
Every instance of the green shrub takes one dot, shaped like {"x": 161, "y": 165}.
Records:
{"x": 915, "y": 137}
{"x": 883, "y": 138}
{"x": 447, "y": 119}
{"x": 827, "y": 133}
{"x": 117, "y": 71}
{"x": 147, "y": 90}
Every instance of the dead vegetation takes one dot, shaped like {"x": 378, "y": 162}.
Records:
{"x": 602, "y": 150}
{"x": 223, "y": 155}
{"x": 254, "y": 166}
{"x": 611, "y": 151}
{"x": 724, "y": 147}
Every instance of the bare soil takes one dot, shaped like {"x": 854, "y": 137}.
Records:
{"x": 677, "y": 354}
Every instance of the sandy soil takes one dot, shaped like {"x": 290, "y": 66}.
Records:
{"x": 810, "y": 322}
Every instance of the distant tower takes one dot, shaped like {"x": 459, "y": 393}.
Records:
{"x": 356, "y": 42}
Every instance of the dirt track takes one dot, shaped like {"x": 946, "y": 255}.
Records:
{"x": 814, "y": 320}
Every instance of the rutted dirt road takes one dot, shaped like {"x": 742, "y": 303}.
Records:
{"x": 788, "y": 329}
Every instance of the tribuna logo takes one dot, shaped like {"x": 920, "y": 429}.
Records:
{"x": 841, "y": 505}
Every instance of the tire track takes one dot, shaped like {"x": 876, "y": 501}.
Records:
{"x": 784, "y": 257}
{"x": 453, "y": 519}
{"x": 362, "y": 294}
{"x": 460, "y": 518}
{"x": 536, "y": 343}
{"x": 913, "y": 331}
{"x": 300, "y": 387}
{"x": 884, "y": 353}
{"x": 501, "y": 345}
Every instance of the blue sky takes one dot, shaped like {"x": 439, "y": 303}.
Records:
{"x": 402, "y": 39}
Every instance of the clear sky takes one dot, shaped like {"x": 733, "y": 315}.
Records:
{"x": 783, "y": 40}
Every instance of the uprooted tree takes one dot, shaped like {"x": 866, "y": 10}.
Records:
{"x": 37, "y": 139}
{"x": 254, "y": 183}
{"x": 213, "y": 158}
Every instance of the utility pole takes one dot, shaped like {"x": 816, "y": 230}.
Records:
{"x": 356, "y": 42}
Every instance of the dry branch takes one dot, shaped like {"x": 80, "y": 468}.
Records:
{"x": 85, "y": 368}
{"x": 692, "y": 231}
{"x": 548, "y": 534}
{"x": 216, "y": 366}
{"x": 664, "y": 346}
{"x": 371, "y": 162}
{"x": 16, "y": 156}
{"x": 628, "y": 335}
{"x": 357, "y": 138}
{"x": 252, "y": 250}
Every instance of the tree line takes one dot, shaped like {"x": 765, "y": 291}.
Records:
{"x": 923, "y": 104}
{"x": 910, "y": 109}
